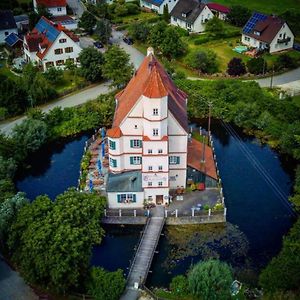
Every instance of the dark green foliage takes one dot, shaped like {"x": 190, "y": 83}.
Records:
{"x": 91, "y": 61}
{"x": 103, "y": 30}
{"x": 172, "y": 45}
{"x": 35, "y": 17}
{"x": 87, "y": 21}
{"x": 284, "y": 61}
{"x": 179, "y": 285}
{"x": 7, "y": 189}
{"x": 215, "y": 27}
{"x": 157, "y": 34}
{"x": 139, "y": 31}
{"x": 257, "y": 66}
{"x": 210, "y": 280}
{"x": 103, "y": 285}
{"x": 166, "y": 15}
{"x": 53, "y": 75}
{"x": 8, "y": 167}
{"x": 51, "y": 242}
{"x": 292, "y": 17}
{"x": 239, "y": 15}
{"x": 283, "y": 272}
{"x": 236, "y": 67}
{"x": 117, "y": 66}
{"x": 132, "y": 8}
{"x": 203, "y": 61}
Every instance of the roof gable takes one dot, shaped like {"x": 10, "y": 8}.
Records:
{"x": 51, "y": 3}
{"x": 218, "y": 7}
{"x": 7, "y": 20}
{"x": 152, "y": 81}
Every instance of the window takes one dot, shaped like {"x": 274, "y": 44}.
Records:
{"x": 135, "y": 160}
{"x": 112, "y": 145}
{"x": 68, "y": 49}
{"x": 60, "y": 62}
{"x": 58, "y": 51}
{"x": 62, "y": 40}
{"x": 113, "y": 162}
{"x": 155, "y": 132}
{"x": 188, "y": 25}
{"x": 172, "y": 178}
{"x": 150, "y": 198}
{"x": 78, "y": 59}
{"x": 155, "y": 111}
{"x": 150, "y": 168}
{"x": 160, "y": 151}
{"x": 280, "y": 35}
{"x": 149, "y": 151}
{"x": 174, "y": 19}
{"x": 59, "y": 9}
{"x": 160, "y": 183}
{"x": 126, "y": 198}
{"x": 49, "y": 64}
{"x": 160, "y": 168}
{"x": 135, "y": 143}
{"x": 174, "y": 160}
{"x": 149, "y": 183}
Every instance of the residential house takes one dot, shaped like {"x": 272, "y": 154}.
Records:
{"x": 267, "y": 32}
{"x": 66, "y": 21}
{"x": 148, "y": 142}
{"x": 22, "y": 22}
{"x": 50, "y": 44}
{"x": 158, "y": 5}
{"x": 7, "y": 25}
{"x": 191, "y": 15}
{"x": 219, "y": 10}
{"x": 54, "y": 7}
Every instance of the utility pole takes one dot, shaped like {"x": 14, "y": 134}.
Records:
{"x": 271, "y": 83}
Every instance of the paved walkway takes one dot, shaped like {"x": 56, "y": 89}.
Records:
{"x": 68, "y": 101}
{"x": 144, "y": 255}
{"x": 12, "y": 286}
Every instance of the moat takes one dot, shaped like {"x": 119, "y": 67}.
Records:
{"x": 258, "y": 216}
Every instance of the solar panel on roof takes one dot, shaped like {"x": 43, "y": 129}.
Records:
{"x": 253, "y": 20}
{"x": 11, "y": 39}
{"x": 44, "y": 27}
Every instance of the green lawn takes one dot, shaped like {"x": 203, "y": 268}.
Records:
{"x": 4, "y": 70}
{"x": 142, "y": 16}
{"x": 266, "y": 6}
{"x": 69, "y": 82}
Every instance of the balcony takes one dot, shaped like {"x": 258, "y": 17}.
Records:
{"x": 283, "y": 40}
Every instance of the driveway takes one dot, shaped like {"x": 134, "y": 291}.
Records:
{"x": 68, "y": 101}
{"x": 12, "y": 286}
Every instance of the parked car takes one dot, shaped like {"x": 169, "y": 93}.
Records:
{"x": 98, "y": 45}
{"x": 296, "y": 47}
{"x": 128, "y": 40}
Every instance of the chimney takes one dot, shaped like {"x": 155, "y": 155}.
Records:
{"x": 150, "y": 50}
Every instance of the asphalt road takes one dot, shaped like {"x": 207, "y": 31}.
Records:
{"x": 69, "y": 101}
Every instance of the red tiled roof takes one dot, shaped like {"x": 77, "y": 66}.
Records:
{"x": 115, "y": 132}
{"x": 218, "y": 7}
{"x": 151, "y": 80}
{"x": 267, "y": 28}
{"x": 51, "y": 3}
{"x": 147, "y": 139}
{"x": 194, "y": 157}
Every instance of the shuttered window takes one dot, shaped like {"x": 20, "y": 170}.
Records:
{"x": 113, "y": 162}
{"x": 126, "y": 198}
{"x": 174, "y": 160}
{"x": 135, "y": 143}
{"x": 112, "y": 145}
{"x": 135, "y": 160}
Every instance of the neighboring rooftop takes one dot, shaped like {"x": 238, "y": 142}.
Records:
{"x": 21, "y": 18}
{"x": 155, "y": 2}
{"x": 218, "y": 7}
{"x": 195, "y": 155}
{"x": 187, "y": 10}
{"x": 12, "y": 39}
{"x": 151, "y": 80}
{"x": 124, "y": 182}
{"x": 51, "y": 3}
{"x": 262, "y": 27}
{"x": 63, "y": 20}
{"x": 7, "y": 20}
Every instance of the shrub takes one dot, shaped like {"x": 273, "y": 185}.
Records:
{"x": 236, "y": 67}
{"x": 257, "y": 65}
{"x": 179, "y": 285}
{"x": 202, "y": 40}
{"x": 203, "y": 61}
{"x": 284, "y": 61}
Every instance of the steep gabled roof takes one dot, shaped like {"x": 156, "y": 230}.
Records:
{"x": 51, "y": 3}
{"x": 187, "y": 10}
{"x": 115, "y": 132}
{"x": 218, "y": 7}
{"x": 152, "y": 81}
{"x": 7, "y": 20}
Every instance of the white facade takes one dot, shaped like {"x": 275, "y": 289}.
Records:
{"x": 54, "y": 11}
{"x": 139, "y": 200}
{"x": 159, "y": 8}
{"x": 5, "y": 33}
{"x": 198, "y": 25}
{"x": 276, "y": 45}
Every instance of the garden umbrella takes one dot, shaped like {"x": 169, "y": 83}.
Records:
{"x": 91, "y": 185}
{"x": 103, "y": 149}
{"x": 103, "y": 133}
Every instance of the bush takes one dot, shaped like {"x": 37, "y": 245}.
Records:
{"x": 179, "y": 285}
{"x": 239, "y": 15}
{"x": 284, "y": 61}
{"x": 203, "y": 61}
{"x": 256, "y": 66}
{"x": 202, "y": 40}
{"x": 236, "y": 67}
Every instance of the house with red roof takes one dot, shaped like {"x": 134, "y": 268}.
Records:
{"x": 51, "y": 45}
{"x": 219, "y": 10}
{"x": 148, "y": 142}
{"x": 54, "y": 7}
{"x": 265, "y": 32}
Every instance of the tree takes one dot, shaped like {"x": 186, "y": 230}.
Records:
{"x": 117, "y": 66}
{"x": 179, "y": 285}
{"x": 87, "y": 21}
{"x": 166, "y": 15}
{"x": 139, "y": 31}
{"x": 103, "y": 30}
{"x": 210, "y": 280}
{"x": 51, "y": 241}
{"x": 257, "y": 65}
{"x": 215, "y": 27}
{"x": 292, "y": 16}
{"x": 54, "y": 75}
{"x": 91, "y": 61}
{"x": 236, "y": 67}
{"x": 203, "y": 61}
{"x": 7, "y": 189}
{"x": 239, "y": 15}
{"x": 8, "y": 167}
{"x": 172, "y": 45}
{"x": 132, "y": 8}
{"x": 284, "y": 61}
{"x": 121, "y": 10}
{"x": 157, "y": 34}
{"x": 104, "y": 285}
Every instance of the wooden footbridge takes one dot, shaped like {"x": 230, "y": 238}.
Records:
{"x": 143, "y": 257}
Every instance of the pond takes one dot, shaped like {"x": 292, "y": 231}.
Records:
{"x": 256, "y": 184}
